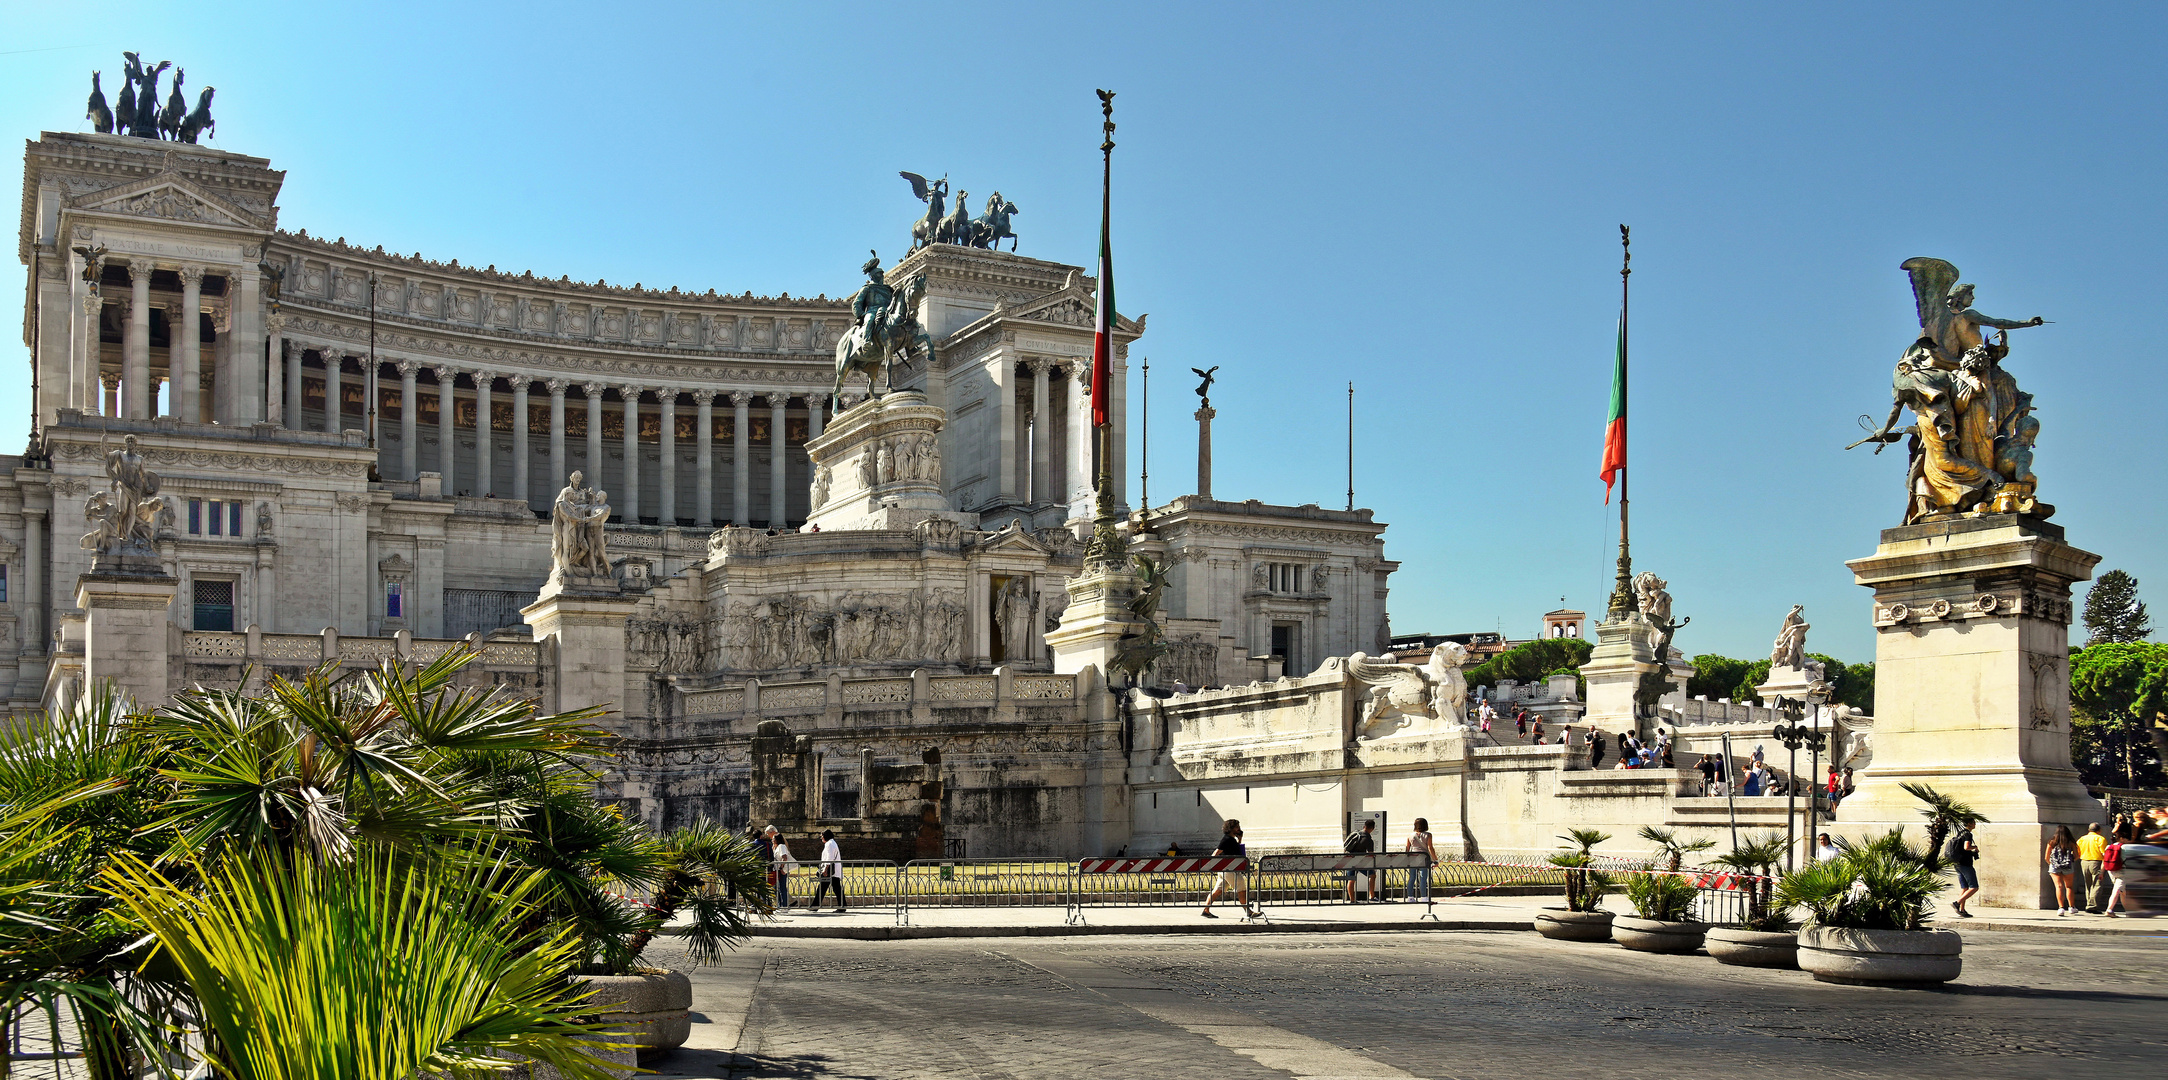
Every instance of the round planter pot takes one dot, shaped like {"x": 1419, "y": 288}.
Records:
{"x": 1880, "y": 957}
{"x": 1563, "y": 925}
{"x": 655, "y": 1008}
{"x": 1752, "y": 948}
{"x": 1655, "y": 935}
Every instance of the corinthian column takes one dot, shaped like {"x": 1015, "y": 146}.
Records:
{"x": 274, "y": 399}
{"x": 557, "y": 433}
{"x": 447, "y": 438}
{"x": 84, "y": 359}
{"x": 520, "y": 385}
{"x": 778, "y": 488}
{"x": 741, "y": 462}
{"x": 704, "y": 472}
{"x": 667, "y": 479}
{"x": 631, "y": 394}
{"x": 187, "y": 378}
{"x": 593, "y": 391}
{"x": 409, "y": 416}
{"x": 334, "y": 396}
{"x": 485, "y": 482}
{"x": 136, "y": 380}
{"x": 293, "y": 388}
{"x": 1042, "y": 435}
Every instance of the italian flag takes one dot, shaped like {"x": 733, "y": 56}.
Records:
{"x": 1103, "y": 328}
{"x": 1614, "y": 432}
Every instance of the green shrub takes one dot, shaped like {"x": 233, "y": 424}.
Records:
{"x": 1882, "y": 884}
{"x": 1659, "y": 896}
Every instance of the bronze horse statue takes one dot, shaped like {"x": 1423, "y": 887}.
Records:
{"x": 990, "y": 230}
{"x": 169, "y": 121}
{"x": 901, "y": 337}
{"x": 956, "y": 227}
{"x": 199, "y": 121}
{"x": 124, "y": 116}
{"x": 100, "y": 116}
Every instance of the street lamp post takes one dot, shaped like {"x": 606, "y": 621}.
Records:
{"x": 1795, "y": 734}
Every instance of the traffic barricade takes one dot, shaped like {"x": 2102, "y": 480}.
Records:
{"x": 983, "y": 883}
{"x": 1150, "y": 881}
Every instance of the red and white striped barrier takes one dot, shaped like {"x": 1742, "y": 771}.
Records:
{"x": 1162, "y": 865}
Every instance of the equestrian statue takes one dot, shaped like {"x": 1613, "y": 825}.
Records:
{"x": 884, "y": 328}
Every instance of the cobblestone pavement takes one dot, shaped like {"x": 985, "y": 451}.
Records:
{"x": 1427, "y": 1005}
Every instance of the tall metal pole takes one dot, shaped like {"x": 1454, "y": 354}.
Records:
{"x": 1351, "y": 447}
{"x": 1144, "y": 478}
{"x": 1622, "y": 590}
{"x": 368, "y": 385}
{"x": 1731, "y": 800}
{"x": 1107, "y": 546}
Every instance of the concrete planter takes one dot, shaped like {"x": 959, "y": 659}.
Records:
{"x": 1563, "y": 925}
{"x": 1880, "y": 957}
{"x": 1752, "y": 948}
{"x": 1656, "y": 935}
{"x": 654, "y": 1007}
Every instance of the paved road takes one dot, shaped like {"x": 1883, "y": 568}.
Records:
{"x": 1394, "y": 1005}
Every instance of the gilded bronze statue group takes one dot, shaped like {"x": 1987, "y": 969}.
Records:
{"x": 942, "y": 226}
{"x": 139, "y": 113}
{"x": 1972, "y": 435}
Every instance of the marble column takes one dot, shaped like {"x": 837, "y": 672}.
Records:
{"x": 187, "y": 375}
{"x": 778, "y": 461}
{"x": 1205, "y": 414}
{"x": 594, "y": 435}
{"x": 485, "y": 483}
{"x": 815, "y": 404}
{"x": 520, "y": 386}
{"x": 704, "y": 472}
{"x": 173, "y": 362}
{"x": 111, "y": 380}
{"x": 557, "y": 433}
{"x": 447, "y": 438}
{"x": 33, "y": 583}
{"x": 136, "y": 370}
{"x": 84, "y": 358}
{"x": 666, "y": 479}
{"x": 1042, "y": 435}
{"x": 741, "y": 463}
{"x": 334, "y": 393}
{"x": 293, "y": 388}
{"x": 1005, "y": 480}
{"x": 242, "y": 342}
{"x": 274, "y": 398}
{"x": 409, "y": 417}
{"x": 630, "y": 504}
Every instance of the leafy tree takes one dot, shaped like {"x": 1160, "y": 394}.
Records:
{"x": 2113, "y": 612}
{"x": 1531, "y": 661}
{"x": 1723, "y": 677}
{"x": 2119, "y": 706}
{"x": 1715, "y": 676}
{"x": 1858, "y": 688}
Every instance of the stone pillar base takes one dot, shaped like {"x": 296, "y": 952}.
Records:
{"x": 126, "y": 632}
{"x": 1972, "y": 690}
{"x": 1097, "y": 617}
{"x": 583, "y": 620}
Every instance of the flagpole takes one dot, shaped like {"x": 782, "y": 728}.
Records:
{"x": 1622, "y": 589}
{"x": 1351, "y": 447}
{"x": 1107, "y": 544}
{"x": 1144, "y": 479}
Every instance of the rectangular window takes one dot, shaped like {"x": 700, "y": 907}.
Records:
{"x": 394, "y": 604}
{"x": 3, "y": 583}
{"x": 218, "y": 518}
{"x": 233, "y": 519}
{"x": 195, "y": 517}
{"x": 213, "y": 605}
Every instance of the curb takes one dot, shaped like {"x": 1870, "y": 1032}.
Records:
{"x": 905, "y": 933}
{"x": 1977, "y": 923}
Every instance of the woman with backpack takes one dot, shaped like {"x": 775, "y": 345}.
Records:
{"x": 2062, "y": 859}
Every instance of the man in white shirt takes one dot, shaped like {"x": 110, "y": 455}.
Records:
{"x": 831, "y": 869}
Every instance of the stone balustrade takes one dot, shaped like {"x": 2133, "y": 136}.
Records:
{"x": 253, "y": 646}
{"x": 1003, "y": 691}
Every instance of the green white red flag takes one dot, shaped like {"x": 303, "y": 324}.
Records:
{"x": 1614, "y": 432}
{"x": 1103, "y": 327}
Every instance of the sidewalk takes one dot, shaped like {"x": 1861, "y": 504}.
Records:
{"x": 1478, "y": 913}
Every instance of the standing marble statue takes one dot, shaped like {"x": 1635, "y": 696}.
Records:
{"x": 1790, "y": 650}
{"x": 577, "y": 541}
{"x": 1013, "y": 615}
{"x": 134, "y": 494}
{"x": 1972, "y": 437}
{"x": 1651, "y": 598}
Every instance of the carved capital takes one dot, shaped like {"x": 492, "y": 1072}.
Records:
{"x": 274, "y": 323}
{"x": 407, "y": 368}
{"x": 703, "y": 397}
{"x": 445, "y": 376}
{"x": 139, "y": 271}
{"x": 631, "y": 394}
{"x": 741, "y": 398}
{"x": 92, "y": 304}
{"x": 192, "y": 277}
{"x": 485, "y": 380}
{"x": 1038, "y": 366}
{"x": 778, "y": 400}
{"x": 557, "y": 387}
{"x": 593, "y": 390}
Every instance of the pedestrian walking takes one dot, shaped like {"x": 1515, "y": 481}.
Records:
{"x": 1595, "y": 748}
{"x": 1230, "y": 847}
{"x": 1520, "y": 722}
{"x": 1537, "y": 729}
{"x": 1835, "y": 787}
{"x": 1961, "y": 851}
{"x": 2062, "y": 859}
{"x": 2111, "y": 864}
{"x": 2093, "y": 887}
{"x": 1708, "y": 775}
{"x": 831, "y": 870}
{"x": 1419, "y": 875}
{"x": 766, "y": 845}
{"x": 783, "y": 864}
{"x": 1363, "y": 841}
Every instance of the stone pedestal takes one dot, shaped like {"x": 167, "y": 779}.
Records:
{"x": 583, "y": 620}
{"x": 1789, "y": 682}
{"x": 1204, "y": 450}
{"x": 1097, "y": 616}
{"x": 1972, "y": 689}
{"x": 877, "y": 465}
{"x": 1625, "y": 648}
{"x": 125, "y": 630}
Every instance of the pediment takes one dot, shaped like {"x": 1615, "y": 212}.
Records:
{"x": 1013, "y": 540}
{"x": 166, "y": 197}
{"x": 1073, "y": 305}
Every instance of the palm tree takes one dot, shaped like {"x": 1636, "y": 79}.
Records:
{"x": 1881, "y": 884}
{"x": 1758, "y": 856}
{"x": 1942, "y": 813}
{"x": 1675, "y": 850}
{"x": 382, "y": 967}
{"x": 1585, "y": 885}
{"x": 703, "y": 858}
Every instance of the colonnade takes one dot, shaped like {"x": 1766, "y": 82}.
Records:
{"x": 634, "y": 401}
{"x": 131, "y": 388}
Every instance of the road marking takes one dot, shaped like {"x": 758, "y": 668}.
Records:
{"x": 1273, "y": 1047}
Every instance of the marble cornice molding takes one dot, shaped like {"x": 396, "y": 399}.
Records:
{"x": 293, "y": 465}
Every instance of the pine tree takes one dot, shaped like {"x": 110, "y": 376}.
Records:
{"x": 2113, "y": 612}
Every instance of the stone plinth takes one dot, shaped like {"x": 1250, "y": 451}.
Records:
{"x": 583, "y": 621}
{"x": 1789, "y": 682}
{"x": 1625, "y": 648}
{"x": 1972, "y": 688}
{"x": 1097, "y": 617}
{"x": 878, "y": 466}
{"x": 125, "y": 630}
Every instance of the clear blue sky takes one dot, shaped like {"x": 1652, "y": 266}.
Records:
{"x": 1422, "y": 198}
